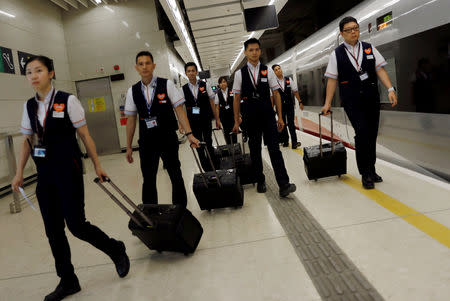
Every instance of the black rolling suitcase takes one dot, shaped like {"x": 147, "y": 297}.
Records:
{"x": 325, "y": 160}
{"x": 221, "y": 151}
{"x": 243, "y": 164}
{"x": 160, "y": 227}
{"x": 217, "y": 188}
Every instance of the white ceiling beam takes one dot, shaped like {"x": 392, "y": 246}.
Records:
{"x": 105, "y": 1}
{"x": 72, "y": 3}
{"x": 83, "y": 2}
{"x": 61, "y": 4}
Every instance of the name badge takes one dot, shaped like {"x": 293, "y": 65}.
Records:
{"x": 227, "y": 107}
{"x": 39, "y": 152}
{"x": 364, "y": 76}
{"x": 196, "y": 110}
{"x": 151, "y": 122}
{"x": 369, "y": 57}
{"x": 255, "y": 95}
{"x": 58, "y": 114}
{"x": 163, "y": 101}
{"x": 264, "y": 80}
{"x": 242, "y": 101}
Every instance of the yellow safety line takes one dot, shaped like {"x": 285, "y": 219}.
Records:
{"x": 425, "y": 224}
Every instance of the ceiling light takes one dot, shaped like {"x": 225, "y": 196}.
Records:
{"x": 109, "y": 8}
{"x": 138, "y": 36}
{"x": 147, "y": 44}
{"x": 6, "y": 14}
{"x": 98, "y": 1}
{"x": 181, "y": 26}
{"x": 125, "y": 23}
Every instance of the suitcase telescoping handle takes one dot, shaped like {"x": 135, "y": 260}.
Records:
{"x": 214, "y": 134}
{"x": 202, "y": 172}
{"x": 121, "y": 205}
{"x": 320, "y": 133}
{"x": 232, "y": 147}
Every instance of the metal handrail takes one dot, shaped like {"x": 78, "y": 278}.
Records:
{"x": 16, "y": 205}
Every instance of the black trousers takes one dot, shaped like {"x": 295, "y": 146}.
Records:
{"x": 164, "y": 145}
{"x": 288, "y": 118}
{"x": 228, "y": 124}
{"x": 261, "y": 122}
{"x": 202, "y": 130}
{"x": 60, "y": 193}
{"x": 364, "y": 117}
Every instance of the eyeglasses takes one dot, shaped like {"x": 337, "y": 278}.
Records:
{"x": 349, "y": 30}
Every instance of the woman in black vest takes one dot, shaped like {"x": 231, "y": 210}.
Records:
{"x": 55, "y": 117}
{"x": 225, "y": 99}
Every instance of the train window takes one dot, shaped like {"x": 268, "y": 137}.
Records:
{"x": 384, "y": 21}
{"x": 391, "y": 71}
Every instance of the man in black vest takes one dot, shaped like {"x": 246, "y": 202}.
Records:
{"x": 287, "y": 89}
{"x": 356, "y": 65}
{"x": 253, "y": 84}
{"x": 155, "y": 100}
{"x": 200, "y": 108}
{"x": 224, "y": 97}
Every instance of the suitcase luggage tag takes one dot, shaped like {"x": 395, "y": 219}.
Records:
{"x": 151, "y": 122}
{"x": 196, "y": 110}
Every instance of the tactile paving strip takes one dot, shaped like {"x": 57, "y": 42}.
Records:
{"x": 334, "y": 275}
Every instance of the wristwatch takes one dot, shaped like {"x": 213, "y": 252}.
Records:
{"x": 392, "y": 89}
{"x": 187, "y": 134}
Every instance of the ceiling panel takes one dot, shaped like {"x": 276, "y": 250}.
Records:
{"x": 224, "y": 37}
{"x": 199, "y": 3}
{"x": 222, "y": 21}
{"x": 213, "y": 11}
{"x": 219, "y": 30}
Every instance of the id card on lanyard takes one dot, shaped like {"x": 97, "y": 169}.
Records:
{"x": 40, "y": 150}
{"x": 150, "y": 122}
{"x": 362, "y": 74}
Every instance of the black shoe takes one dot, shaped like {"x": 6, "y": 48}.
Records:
{"x": 376, "y": 178}
{"x": 367, "y": 182}
{"x": 64, "y": 289}
{"x": 261, "y": 187}
{"x": 285, "y": 144}
{"x": 244, "y": 139}
{"x": 295, "y": 145}
{"x": 287, "y": 189}
{"x": 121, "y": 260}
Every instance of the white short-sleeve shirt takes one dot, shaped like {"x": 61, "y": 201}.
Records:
{"x": 194, "y": 91}
{"x": 224, "y": 93}
{"x": 148, "y": 91}
{"x": 357, "y": 52}
{"x": 74, "y": 109}
{"x": 253, "y": 72}
{"x": 292, "y": 83}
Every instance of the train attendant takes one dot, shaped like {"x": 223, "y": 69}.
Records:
{"x": 200, "y": 107}
{"x": 287, "y": 89}
{"x": 252, "y": 84}
{"x": 224, "y": 98}
{"x": 156, "y": 100}
{"x": 356, "y": 67}
{"x": 54, "y": 117}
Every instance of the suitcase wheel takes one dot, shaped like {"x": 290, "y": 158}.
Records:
{"x": 209, "y": 210}
{"x": 186, "y": 254}
{"x": 238, "y": 207}
{"x": 315, "y": 180}
{"x": 159, "y": 251}
{"x": 339, "y": 176}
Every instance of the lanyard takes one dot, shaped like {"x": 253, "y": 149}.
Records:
{"x": 355, "y": 58}
{"x": 194, "y": 92}
{"x": 282, "y": 89}
{"x": 49, "y": 108}
{"x": 255, "y": 81}
{"x": 149, "y": 101}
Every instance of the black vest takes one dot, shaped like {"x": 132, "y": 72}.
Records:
{"x": 202, "y": 102}
{"x": 248, "y": 91}
{"x": 351, "y": 88}
{"x": 286, "y": 95}
{"x": 224, "y": 103}
{"x": 60, "y": 135}
{"x": 161, "y": 108}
